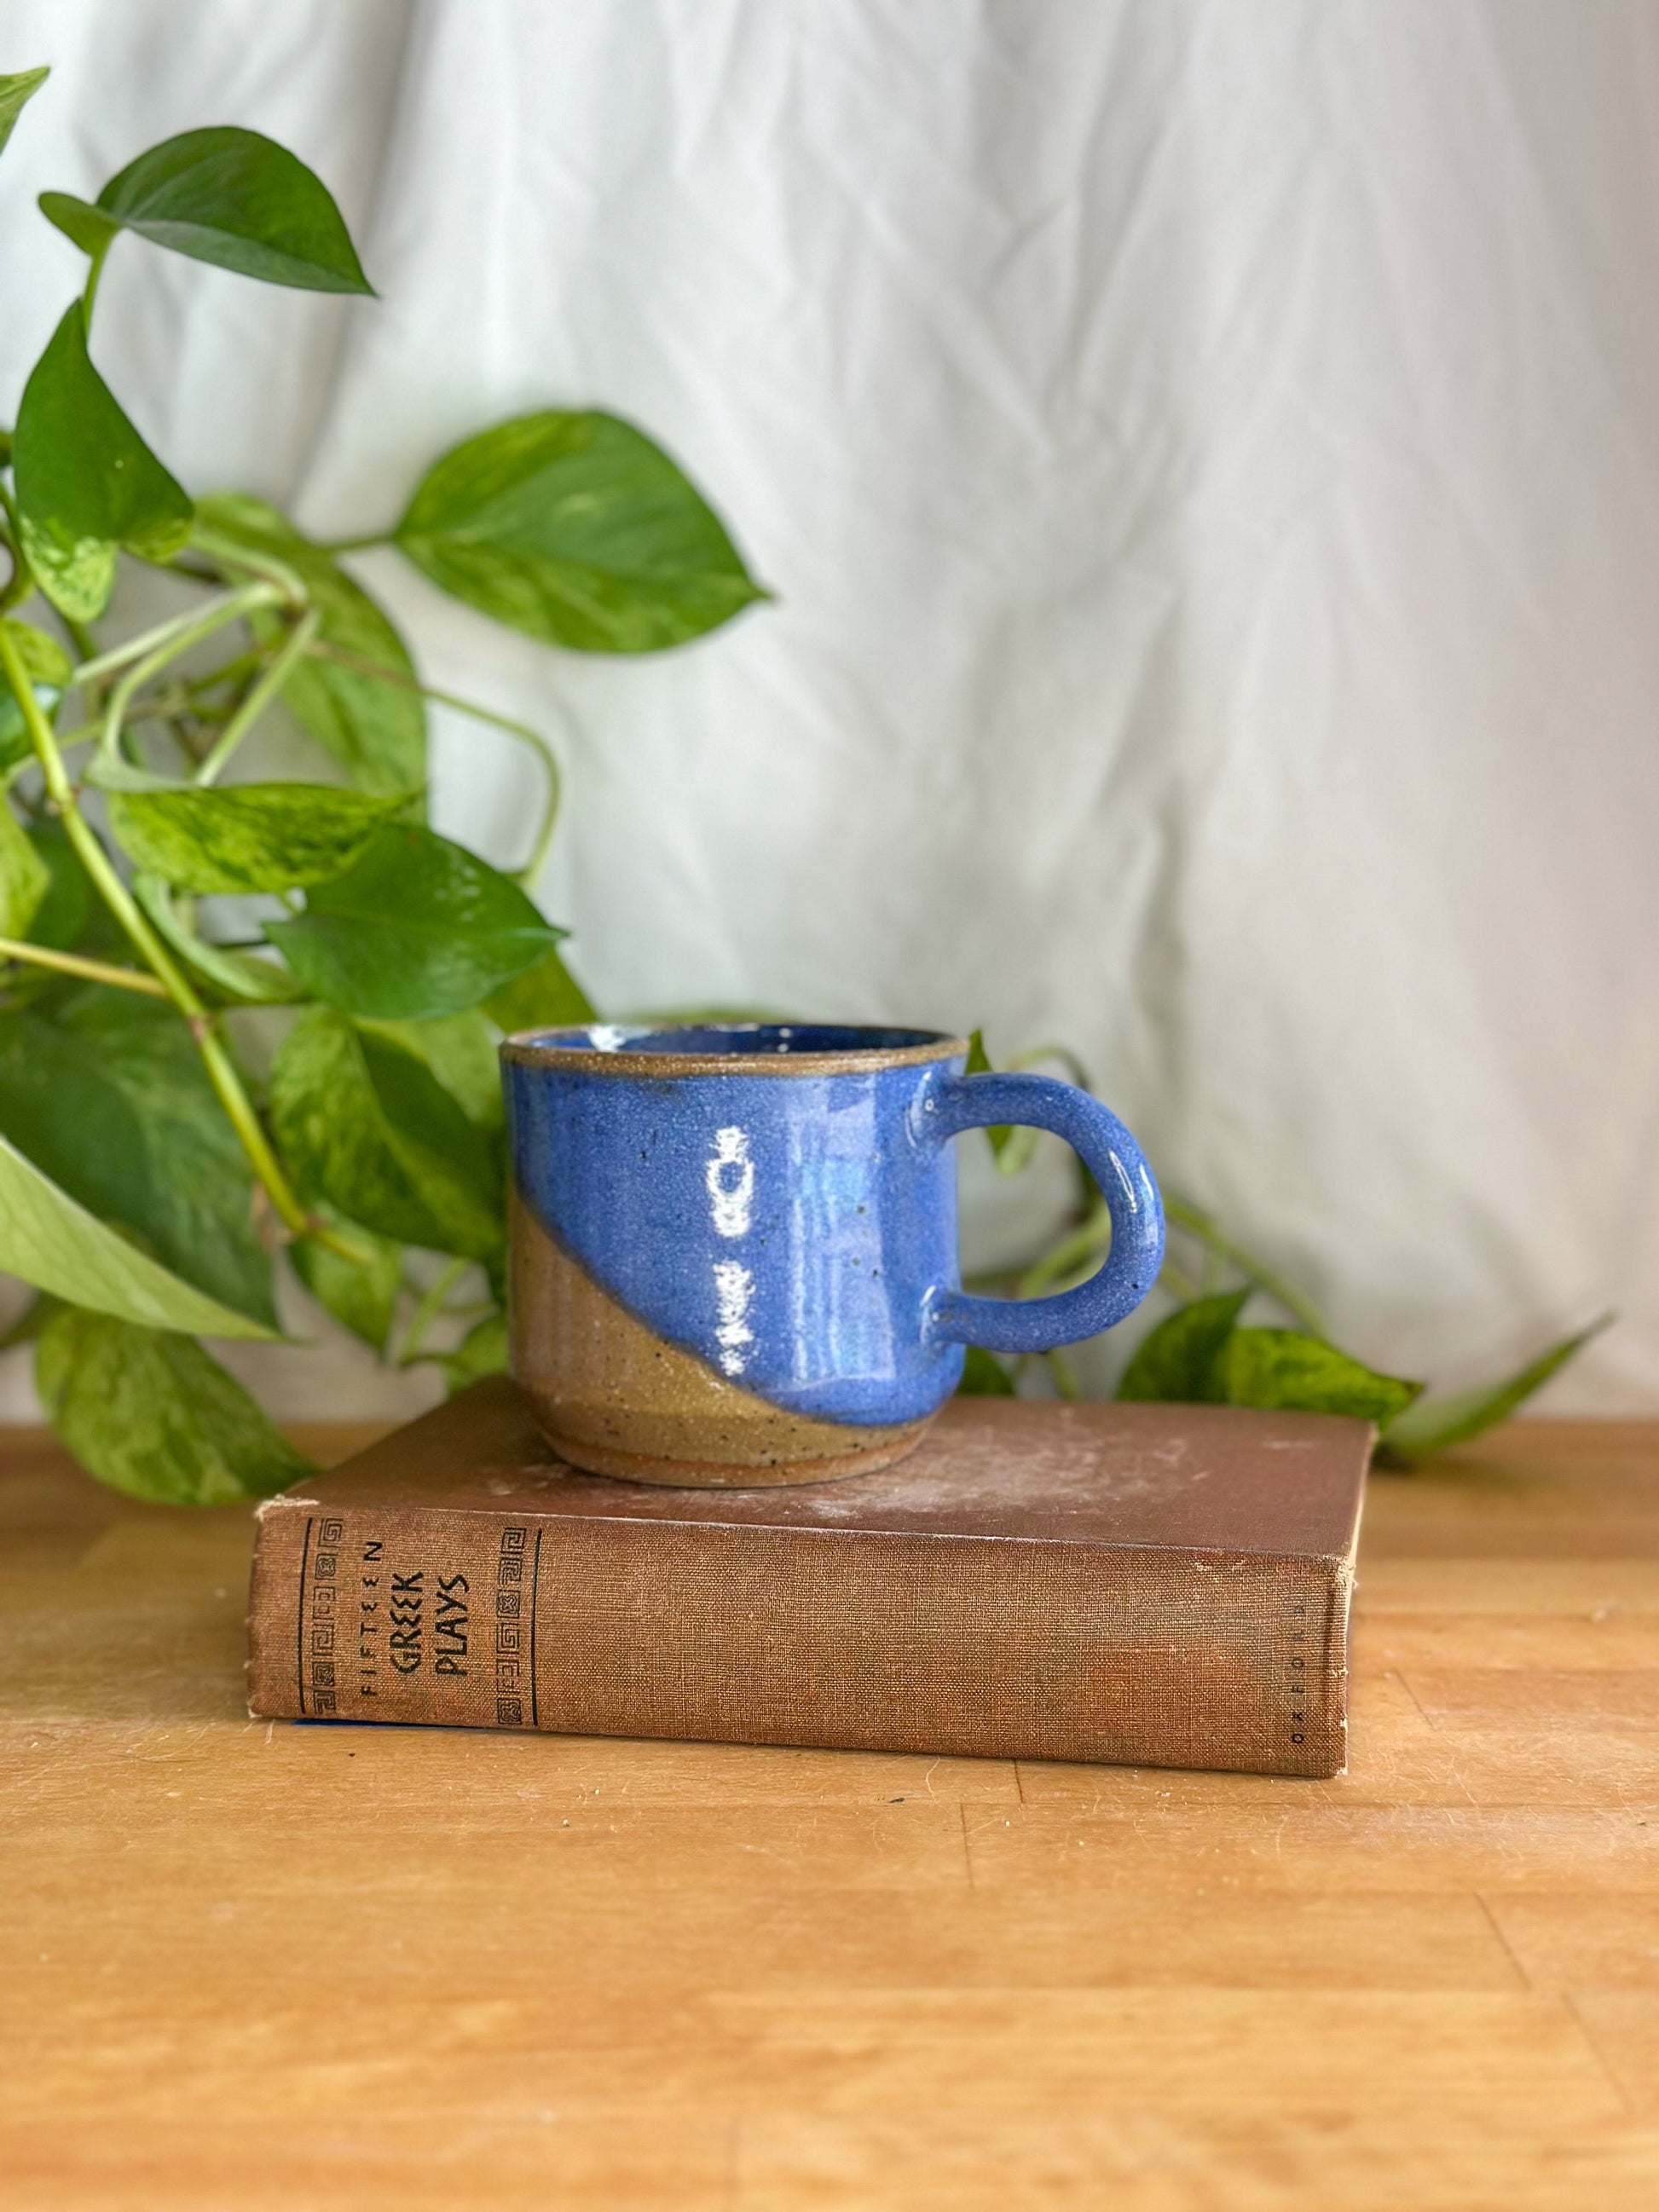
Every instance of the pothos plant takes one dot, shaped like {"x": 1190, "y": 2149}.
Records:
{"x": 1204, "y": 1351}
{"x": 249, "y": 1020}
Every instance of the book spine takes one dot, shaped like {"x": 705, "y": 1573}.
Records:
{"x": 993, "y": 1647}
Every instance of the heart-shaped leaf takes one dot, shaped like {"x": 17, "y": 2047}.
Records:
{"x": 250, "y": 837}
{"x": 71, "y": 914}
{"x": 47, "y": 667}
{"x": 481, "y": 1351}
{"x": 246, "y": 976}
{"x": 15, "y": 93}
{"x": 375, "y": 729}
{"x": 87, "y": 482}
{"x": 1435, "y": 1424}
{"x": 1178, "y": 1360}
{"x": 418, "y": 927}
{"x": 984, "y": 1376}
{"x": 364, "y": 1298}
{"x": 576, "y": 529}
{"x": 227, "y": 195}
{"x": 111, "y": 1101}
{"x": 365, "y": 1126}
{"x": 1284, "y": 1369}
{"x": 25, "y": 878}
{"x": 545, "y": 997}
{"x": 151, "y": 1414}
{"x": 461, "y": 1050}
{"x": 48, "y": 1240}
{"x": 197, "y": 1214}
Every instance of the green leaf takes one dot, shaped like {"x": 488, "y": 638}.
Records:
{"x": 1283, "y": 1368}
{"x": 984, "y": 1376}
{"x": 111, "y": 1103}
{"x": 1435, "y": 1424}
{"x": 87, "y": 482}
{"x": 364, "y": 1298}
{"x": 82, "y": 224}
{"x": 461, "y": 1050}
{"x": 57, "y": 1106}
{"x": 367, "y": 1126}
{"x": 1014, "y": 1146}
{"x": 29, "y": 1323}
{"x": 25, "y": 878}
{"x": 578, "y": 530}
{"x": 45, "y": 661}
{"x": 48, "y": 1240}
{"x": 150, "y": 1413}
{"x": 228, "y": 196}
{"x": 15, "y": 93}
{"x": 197, "y": 1212}
{"x": 251, "y": 836}
{"x": 418, "y": 927}
{"x": 375, "y": 730}
{"x": 1178, "y": 1360}
{"x": 16, "y": 746}
{"x": 71, "y": 909}
{"x": 240, "y": 975}
{"x": 481, "y": 1351}
{"x": 545, "y": 997}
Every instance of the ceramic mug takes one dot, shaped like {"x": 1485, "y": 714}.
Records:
{"x": 734, "y": 1245}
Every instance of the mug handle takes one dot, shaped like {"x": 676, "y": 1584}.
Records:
{"x": 957, "y": 1102}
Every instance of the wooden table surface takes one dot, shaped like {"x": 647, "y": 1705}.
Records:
{"x": 253, "y": 1965}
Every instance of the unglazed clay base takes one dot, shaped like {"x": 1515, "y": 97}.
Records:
{"x": 616, "y": 1399}
{"x": 680, "y": 1474}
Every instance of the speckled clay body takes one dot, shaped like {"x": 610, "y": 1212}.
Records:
{"x": 734, "y": 1247}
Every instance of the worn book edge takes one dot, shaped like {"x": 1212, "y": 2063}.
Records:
{"x": 1178, "y": 1627}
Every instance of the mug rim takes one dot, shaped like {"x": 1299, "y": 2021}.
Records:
{"x": 538, "y": 1048}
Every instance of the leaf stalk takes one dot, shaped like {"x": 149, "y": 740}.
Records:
{"x": 77, "y": 963}
{"x": 281, "y": 667}
{"x": 220, "y": 1067}
{"x": 361, "y": 665}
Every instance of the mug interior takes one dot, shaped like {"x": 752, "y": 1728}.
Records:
{"x": 735, "y": 1040}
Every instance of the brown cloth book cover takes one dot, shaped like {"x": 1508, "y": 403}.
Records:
{"x": 1148, "y": 1585}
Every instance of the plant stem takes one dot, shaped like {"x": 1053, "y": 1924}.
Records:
{"x": 1072, "y": 1250}
{"x": 533, "y": 738}
{"x": 1181, "y": 1282}
{"x": 281, "y": 668}
{"x": 431, "y": 1305}
{"x": 92, "y": 274}
{"x": 355, "y": 545}
{"x": 21, "y": 582}
{"x": 1065, "y": 1380}
{"x": 228, "y": 671}
{"x": 1197, "y": 1222}
{"x": 108, "y": 766}
{"x": 77, "y": 963}
{"x": 105, "y": 664}
{"x": 221, "y": 1068}
{"x": 229, "y": 553}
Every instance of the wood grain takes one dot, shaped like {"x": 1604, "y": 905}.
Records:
{"x": 275, "y": 1967}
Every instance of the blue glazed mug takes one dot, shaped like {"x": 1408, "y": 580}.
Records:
{"x": 733, "y": 1253}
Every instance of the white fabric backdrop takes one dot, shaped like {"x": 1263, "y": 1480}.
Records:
{"x": 1209, "y": 458}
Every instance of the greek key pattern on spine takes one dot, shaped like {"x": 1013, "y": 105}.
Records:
{"x": 512, "y": 1634}
{"x": 320, "y": 1590}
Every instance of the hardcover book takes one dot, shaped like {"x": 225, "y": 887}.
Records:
{"x": 1143, "y": 1585}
